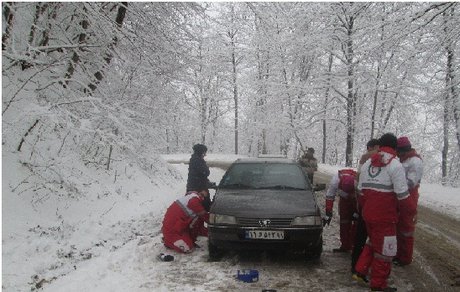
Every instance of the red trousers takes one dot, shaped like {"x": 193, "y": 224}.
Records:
{"x": 184, "y": 241}
{"x": 378, "y": 253}
{"x": 406, "y": 229}
{"x": 347, "y": 224}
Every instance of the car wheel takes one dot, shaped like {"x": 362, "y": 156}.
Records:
{"x": 315, "y": 252}
{"x": 215, "y": 254}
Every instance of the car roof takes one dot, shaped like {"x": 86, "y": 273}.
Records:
{"x": 265, "y": 160}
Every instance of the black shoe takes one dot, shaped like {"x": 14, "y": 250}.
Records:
{"x": 360, "y": 278}
{"x": 340, "y": 249}
{"x": 387, "y": 289}
{"x": 397, "y": 262}
{"x": 165, "y": 257}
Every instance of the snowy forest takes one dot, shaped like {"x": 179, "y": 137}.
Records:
{"x": 90, "y": 85}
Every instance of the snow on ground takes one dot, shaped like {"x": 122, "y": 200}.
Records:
{"x": 110, "y": 243}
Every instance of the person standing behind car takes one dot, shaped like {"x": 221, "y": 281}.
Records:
{"x": 343, "y": 184}
{"x": 198, "y": 172}
{"x": 382, "y": 182}
{"x": 413, "y": 167}
{"x": 361, "y": 233}
{"x": 372, "y": 147}
{"x": 309, "y": 163}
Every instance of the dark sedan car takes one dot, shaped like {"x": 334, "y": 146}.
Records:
{"x": 265, "y": 204}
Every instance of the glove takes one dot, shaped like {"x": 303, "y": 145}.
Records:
{"x": 212, "y": 185}
{"x": 327, "y": 219}
{"x": 206, "y": 203}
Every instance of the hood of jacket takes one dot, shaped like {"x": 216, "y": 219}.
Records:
{"x": 383, "y": 157}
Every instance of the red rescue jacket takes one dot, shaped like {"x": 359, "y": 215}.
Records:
{"x": 383, "y": 182}
{"x": 336, "y": 188}
{"x": 183, "y": 213}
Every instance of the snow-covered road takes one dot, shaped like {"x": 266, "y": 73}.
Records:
{"x": 121, "y": 256}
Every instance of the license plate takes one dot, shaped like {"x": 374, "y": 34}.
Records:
{"x": 264, "y": 234}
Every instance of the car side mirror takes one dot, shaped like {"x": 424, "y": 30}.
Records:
{"x": 319, "y": 187}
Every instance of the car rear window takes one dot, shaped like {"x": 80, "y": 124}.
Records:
{"x": 265, "y": 176}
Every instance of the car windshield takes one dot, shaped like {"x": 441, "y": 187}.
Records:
{"x": 280, "y": 176}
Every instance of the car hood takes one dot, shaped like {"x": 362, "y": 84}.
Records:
{"x": 264, "y": 203}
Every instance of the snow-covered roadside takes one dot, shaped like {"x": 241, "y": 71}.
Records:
{"x": 46, "y": 238}
{"x": 51, "y": 239}
{"x": 110, "y": 243}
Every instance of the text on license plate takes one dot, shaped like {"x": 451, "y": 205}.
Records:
{"x": 264, "y": 234}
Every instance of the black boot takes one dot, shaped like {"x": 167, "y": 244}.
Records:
{"x": 387, "y": 289}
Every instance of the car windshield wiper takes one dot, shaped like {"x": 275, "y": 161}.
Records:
{"x": 236, "y": 186}
{"x": 281, "y": 187}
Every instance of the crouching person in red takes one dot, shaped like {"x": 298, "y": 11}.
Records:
{"x": 382, "y": 182}
{"x": 184, "y": 221}
{"x": 343, "y": 184}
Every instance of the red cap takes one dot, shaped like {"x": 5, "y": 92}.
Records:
{"x": 403, "y": 142}
{"x": 348, "y": 184}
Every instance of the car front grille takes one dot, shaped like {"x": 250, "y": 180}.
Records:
{"x": 264, "y": 222}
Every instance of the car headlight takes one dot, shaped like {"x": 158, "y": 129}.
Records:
{"x": 221, "y": 219}
{"x": 307, "y": 220}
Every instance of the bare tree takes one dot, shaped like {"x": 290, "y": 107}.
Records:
{"x": 8, "y": 14}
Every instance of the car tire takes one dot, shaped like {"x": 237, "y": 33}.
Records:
{"x": 315, "y": 253}
{"x": 215, "y": 254}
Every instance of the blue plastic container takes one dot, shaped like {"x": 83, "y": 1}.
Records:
{"x": 248, "y": 276}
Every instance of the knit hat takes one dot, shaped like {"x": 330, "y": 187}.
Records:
{"x": 388, "y": 140}
{"x": 403, "y": 144}
{"x": 348, "y": 184}
{"x": 199, "y": 149}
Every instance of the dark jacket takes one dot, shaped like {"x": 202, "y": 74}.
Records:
{"x": 198, "y": 172}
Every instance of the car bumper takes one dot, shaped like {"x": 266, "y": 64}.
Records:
{"x": 225, "y": 237}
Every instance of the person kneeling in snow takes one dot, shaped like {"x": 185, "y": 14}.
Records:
{"x": 184, "y": 221}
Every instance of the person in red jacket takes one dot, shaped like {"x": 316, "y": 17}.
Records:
{"x": 184, "y": 222}
{"x": 413, "y": 167}
{"x": 343, "y": 184}
{"x": 372, "y": 147}
{"x": 382, "y": 182}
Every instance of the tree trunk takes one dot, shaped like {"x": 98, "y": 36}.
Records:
{"x": 40, "y": 9}
{"x": 450, "y": 98}
{"x": 326, "y": 101}
{"x": 445, "y": 136}
{"x": 9, "y": 17}
{"x": 51, "y": 16}
{"x": 235, "y": 94}
{"x": 452, "y": 82}
{"x": 393, "y": 102}
{"x": 350, "y": 96}
{"x": 75, "y": 56}
{"x": 34, "y": 24}
{"x": 99, "y": 75}
{"x": 263, "y": 73}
